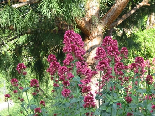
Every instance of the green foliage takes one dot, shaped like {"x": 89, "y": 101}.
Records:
{"x": 29, "y": 33}
{"x": 65, "y": 9}
{"x": 139, "y": 43}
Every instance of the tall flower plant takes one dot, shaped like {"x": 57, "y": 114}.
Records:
{"x": 122, "y": 89}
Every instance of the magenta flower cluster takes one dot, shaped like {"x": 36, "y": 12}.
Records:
{"x": 54, "y": 65}
{"x": 14, "y": 82}
{"x": 73, "y": 48}
{"x": 138, "y": 66}
{"x": 34, "y": 83}
{"x": 20, "y": 68}
{"x": 89, "y": 101}
{"x": 73, "y": 44}
{"x": 108, "y": 53}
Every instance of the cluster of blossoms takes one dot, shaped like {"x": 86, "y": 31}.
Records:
{"x": 14, "y": 82}
{"x": 54, "y": 65}
{"x": 63, "y": 72}
{"x": 89, "y": 101}
{"x": 128, "y": 99}
{"x": 109, "y": 54}
{"x": 34, "y": 83}
{"x": 153, "y": 107}
{"x": 73, "y": 44}
{"x": 129, "y": 114}
{"x": 42, "y": 102}
{"x": 149, "y": 79}
{"x": 138, "y": 66}
{"x": 37, "y": 111}
{"x": 73, "y": 48}
{"x": 7, "y": 95}
{"x": 20, "y": 68}
{"x": 111, "y": 48}
{"x": 66, "y": 92}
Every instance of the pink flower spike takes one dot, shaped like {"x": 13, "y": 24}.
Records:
{"x": 15, "y": 91}
{"x": 14, "y": 82}
{"x": 128, "y": 99}
{"x": 7, "y": 95}
{"x": 153, "y": 107}
{"x": 149, "y": 79}
{"x": 34, "y": 83}
{"x": 65, "y": 92}
{"x": 21, "y": 88}
{"x": 37, "y": 110}
{"x": 124, "y": 52}
{"x": 42, "y": 102}
{"x": 20, "y": 67}
{"x": 51, "y": 58}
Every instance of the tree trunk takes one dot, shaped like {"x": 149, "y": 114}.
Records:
{"x": 94, "y": 30}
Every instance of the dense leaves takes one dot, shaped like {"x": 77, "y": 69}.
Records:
{"x": 29, "y": 33}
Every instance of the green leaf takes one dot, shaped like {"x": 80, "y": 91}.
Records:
{"x": 103, "y": 107}
{"x": 67, "y": 104}
{"x": 97, "y": 112}
{"x": 149, "y": 107}
{"x": 140, "y": 105}
{"x": 76, "y": 79}
{"x": 114, "y": 109}
{"x": 30, "y": 114}
{"x": 73, "y": 100}
{"x": 133, "y": 105}
{"x": 32, "y": 107}
{"x": 44, "y": 111}
{"x": 25, "y": 89}
{"x": 141, "y": 90}
{"x": 153, "y": 74}
{"x": 137, "y": 114}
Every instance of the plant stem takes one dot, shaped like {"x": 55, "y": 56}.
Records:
{"x": 99, "y": 89}
{"x": 8, "y": 106}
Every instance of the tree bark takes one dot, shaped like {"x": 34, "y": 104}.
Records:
{"x": 94, "y": 28}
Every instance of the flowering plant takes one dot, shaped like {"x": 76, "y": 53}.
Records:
{"x": 121, "y": 89}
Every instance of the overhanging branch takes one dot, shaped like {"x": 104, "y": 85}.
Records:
{"x": 120, "y": 20}
{"x": 25, "y": 3}
{"x": 113, "y": 13}
{"x": 83, "y": 25}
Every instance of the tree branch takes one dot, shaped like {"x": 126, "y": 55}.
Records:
{"x": 92, "y": 9}
{"x": 83, "y": 25}
{"x": 120, "y": 20}
{"x": 114, "y": 12}
{"x": 25, "y": 3}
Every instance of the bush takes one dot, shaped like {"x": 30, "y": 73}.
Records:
{"x": 121, "y": 89}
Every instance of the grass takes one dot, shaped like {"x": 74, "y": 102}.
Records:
{"x": 13, "y": 111}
